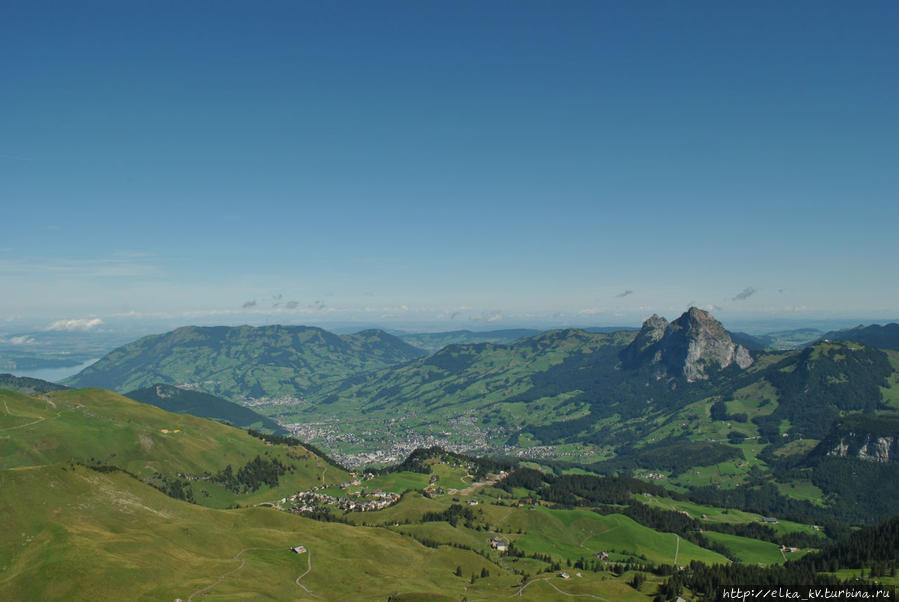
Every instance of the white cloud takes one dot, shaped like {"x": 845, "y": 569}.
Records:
{"x": 84, "y": 324}
{"x": 20, "y": 340}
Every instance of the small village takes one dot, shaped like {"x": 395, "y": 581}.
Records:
{"x": 358, "y": 500}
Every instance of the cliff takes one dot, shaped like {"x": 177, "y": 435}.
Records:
{"x": 689, "y": 346}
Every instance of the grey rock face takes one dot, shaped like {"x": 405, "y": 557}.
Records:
{"x": 689, "y": 346}
{"x": 865, "y": 446}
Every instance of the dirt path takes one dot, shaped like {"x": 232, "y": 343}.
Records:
{"x": 309, "y": 565}
{"x": 504, "y": 517}
{"x": 21, "y": 426}
{"x": 676, "y": 548}
{"x": 475, "y": 486}
{"x": 549, "y": 582}
{"x": 243, "y": 562}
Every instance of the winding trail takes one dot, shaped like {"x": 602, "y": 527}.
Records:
{"x": 676, "y": 548}
{"x": 243, "y": 562}
{"x": 309, "y": 564}
{"x": 549, "y": 582}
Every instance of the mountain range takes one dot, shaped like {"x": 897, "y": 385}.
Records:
{"x": 589, "y": 397}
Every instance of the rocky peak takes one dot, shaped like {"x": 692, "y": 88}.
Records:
{"x": 687, "y": 347}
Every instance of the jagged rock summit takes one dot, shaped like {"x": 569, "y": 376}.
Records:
{"x": 687, "y": 347}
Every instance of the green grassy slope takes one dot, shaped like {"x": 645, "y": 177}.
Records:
{"x": 93, "y": 425}
{"x": 562, "y": 534}
{"x": 75, "y": 534}
{"x": 752, "y": 550}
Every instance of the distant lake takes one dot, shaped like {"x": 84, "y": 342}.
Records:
{"x": 54, "y": 375}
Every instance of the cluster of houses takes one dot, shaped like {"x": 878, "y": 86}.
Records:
{"x": 381, "y": 501}
{"x": 310, "y": 500}
{"x": 651, "y": 475}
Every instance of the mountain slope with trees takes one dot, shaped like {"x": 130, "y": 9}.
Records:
{"x": 244, "y": 362}
{"x": 204, "y": 405}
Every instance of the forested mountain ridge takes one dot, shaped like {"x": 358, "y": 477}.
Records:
{"x": 203, "y": 405}
{"x": 883, "y": 336}
{"x": 434, "y": 341}
{"x": 244, "y": 362}
{"x": 26, "y": 385}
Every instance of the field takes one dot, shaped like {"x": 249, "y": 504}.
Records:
{"x": 572, "y": 534}
{"x": 750, "y": 551}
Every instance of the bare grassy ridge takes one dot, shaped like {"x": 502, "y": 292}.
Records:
{"x": 101, "y": 427}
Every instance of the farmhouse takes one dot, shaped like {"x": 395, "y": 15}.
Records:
{"x": 498, "y": 544}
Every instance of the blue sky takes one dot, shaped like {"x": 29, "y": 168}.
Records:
{"x": 447, "y": 162}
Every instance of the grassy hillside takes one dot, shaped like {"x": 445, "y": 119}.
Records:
{"x": 244, "y": 362}
{"x": 96, "y": 426}
{"x": 76, "y": 534}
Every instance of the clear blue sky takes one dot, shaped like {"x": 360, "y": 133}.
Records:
{"x": 504, "y": 161}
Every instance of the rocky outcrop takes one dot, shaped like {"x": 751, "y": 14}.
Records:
{"x": 864, "y": 437}
{"x": 867, "y": 447}
{"x": 690, "y": 346}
